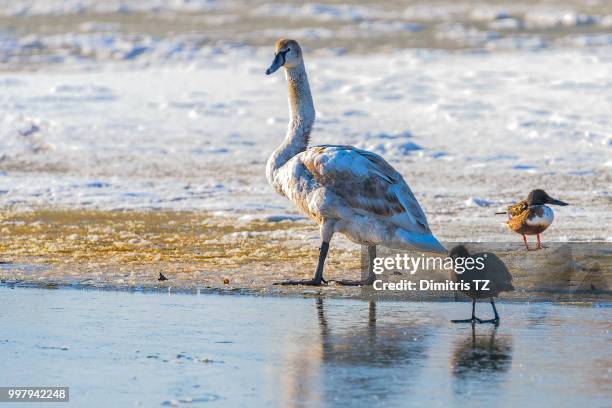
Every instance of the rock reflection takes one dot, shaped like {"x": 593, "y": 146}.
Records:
{"x": 481, "y": 359}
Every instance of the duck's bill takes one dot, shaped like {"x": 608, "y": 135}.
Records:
{"x": 279, "y": 61}
{"x": 554, "y": 201}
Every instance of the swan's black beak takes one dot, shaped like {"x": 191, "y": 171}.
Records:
{"x": 279, "y": 61}
{"x": 554, "y": 201}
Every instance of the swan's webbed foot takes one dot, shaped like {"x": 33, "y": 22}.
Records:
{"x": 348, "y": 282}
{"x": 371, "y": 276}
{"x": 317, "y": 280}
{"x": 305, "y": 282}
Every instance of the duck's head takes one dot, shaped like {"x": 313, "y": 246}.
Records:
{"x": 459, "y": 252}
{"x": 287, "y": 53}
{"x": 539, "y": 197}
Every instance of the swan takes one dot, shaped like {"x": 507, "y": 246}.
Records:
{"x": 532, "y": 216}
{"x": 342, "y": 188}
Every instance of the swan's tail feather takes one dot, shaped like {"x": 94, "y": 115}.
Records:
{"x": 424, "y": 242}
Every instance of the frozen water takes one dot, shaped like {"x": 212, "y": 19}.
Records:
{"x": 134, "y": 349}
{"x": 198, "y": 136}
{"x": 150, "y": 105}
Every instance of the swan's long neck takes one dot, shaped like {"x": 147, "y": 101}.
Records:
{"x": 302, "y": 117}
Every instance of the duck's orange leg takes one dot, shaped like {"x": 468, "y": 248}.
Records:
{"x": 540, "y": 246}
{"x": 525, "y": 241}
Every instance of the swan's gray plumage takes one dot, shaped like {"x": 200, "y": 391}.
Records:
{"x": 342, "y": 188}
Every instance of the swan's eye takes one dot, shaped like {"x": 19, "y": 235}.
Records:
{"x": 288, "y": 50}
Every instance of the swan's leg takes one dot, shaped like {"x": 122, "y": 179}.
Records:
{"x": 495, "y": 320}
{"x": 318, "y": 277}
{"x": 371, "y": 276}
{"x": 474, "y": 319}
{"x": 327, "y": 230}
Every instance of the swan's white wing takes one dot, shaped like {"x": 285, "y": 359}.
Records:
{"x": 367, "y": 183}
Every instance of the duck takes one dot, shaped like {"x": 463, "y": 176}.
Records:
{"x": 532, "y": 216}
{"x": 341, "y": 188}
{"x": 486, "y": 279}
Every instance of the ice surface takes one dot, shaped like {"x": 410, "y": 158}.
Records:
{"x": 133, "y": 349}
{"x": 457, "y": 125}
{"x": 151, "y": 105}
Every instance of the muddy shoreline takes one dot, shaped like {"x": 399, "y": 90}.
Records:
{"x": 206, "y": 253}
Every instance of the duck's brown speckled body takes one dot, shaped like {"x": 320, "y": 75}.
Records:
{"x": 532, "y": 216}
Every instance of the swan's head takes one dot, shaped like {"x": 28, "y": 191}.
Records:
{"x": 287, "y": 53}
